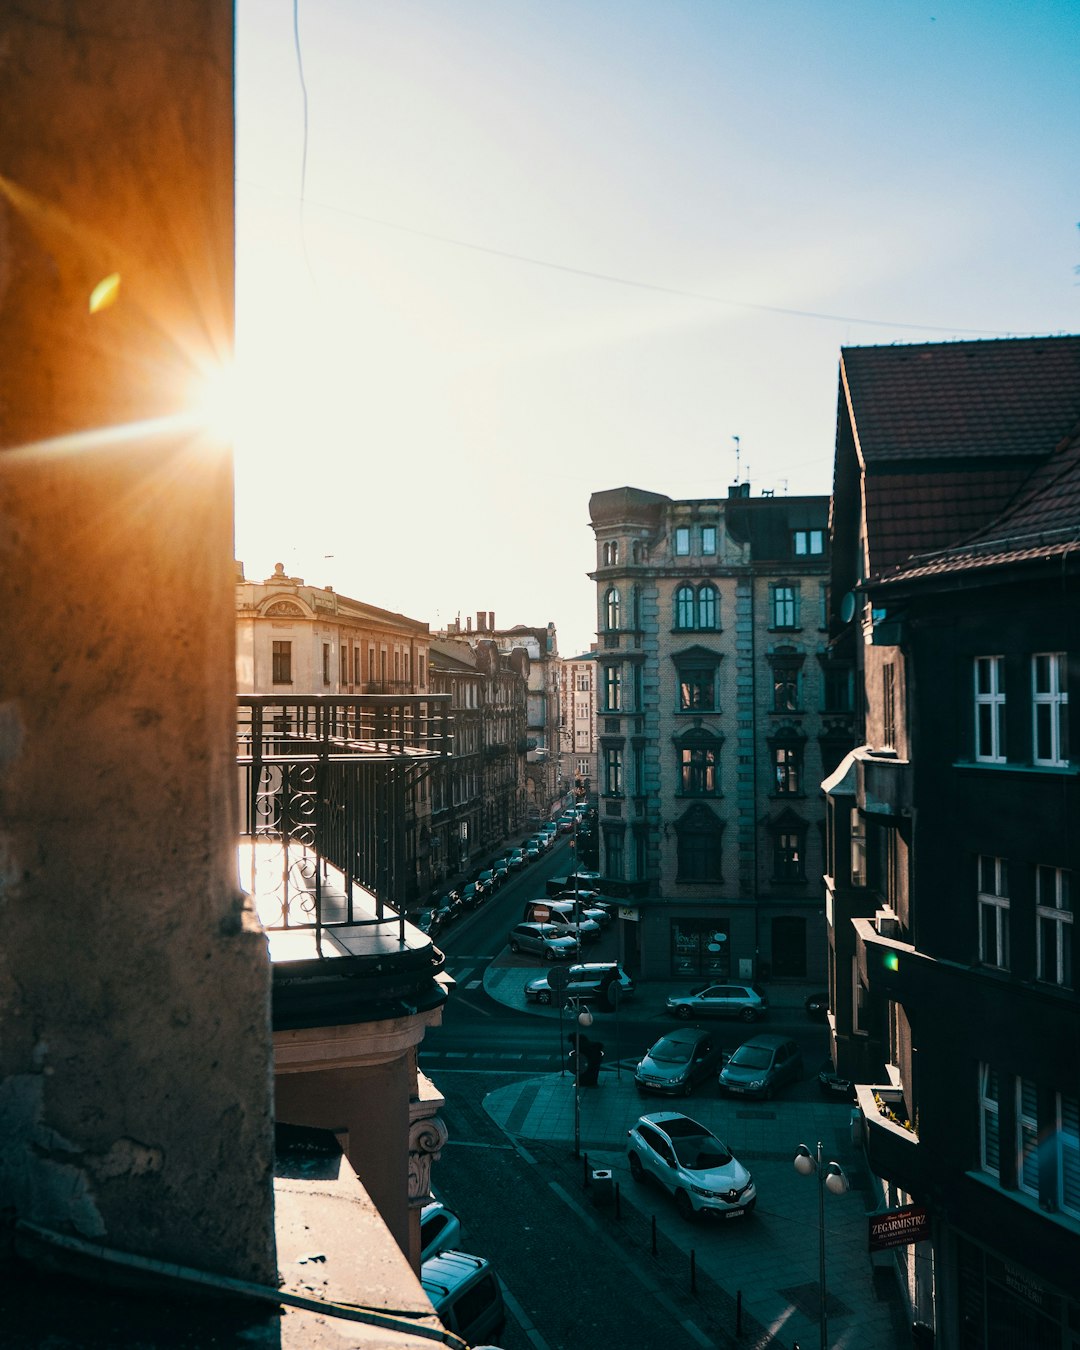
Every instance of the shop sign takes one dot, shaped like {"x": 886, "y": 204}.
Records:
{"x": 899, "y": 1228}
{"x": 629, "y": 912}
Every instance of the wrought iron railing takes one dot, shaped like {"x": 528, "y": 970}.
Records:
{"x": 323, "y": 787}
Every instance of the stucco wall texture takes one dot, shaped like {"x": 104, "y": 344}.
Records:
{"x": 135, "y": 1052}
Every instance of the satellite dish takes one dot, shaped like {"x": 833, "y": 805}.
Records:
{"x": 847, "y": 607}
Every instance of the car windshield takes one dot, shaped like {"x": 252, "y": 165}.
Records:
{"x": 701, "y": 1153}
{"x": 751, "y": 1057}
{"x": 669, "y": 1051}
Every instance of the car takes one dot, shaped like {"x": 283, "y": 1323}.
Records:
{"x": 817, "y": 1006}
{"x": 532, "y": 851}
{"x": 487, "y": 879}
{"x": 584, "y": 903}
{"x": 471, "y": 895}
{"x": 515, "y": 859}
{"x": 439, "y": 1228}
{"x": 428, "y": 920}
{"x": 762, "y": 1065}
{"x": 501, "y": 870}
{"x": 591, "y": 980}
{"x": 678, "y": 1062}
{"x": 567, "y": 821}
{"x": 744, "y": 1001}
{"x": 448, "y": 907}
{"x": 543, "y": 939}
{"x": 548, "y": 831}
{"x": 695, "y": 1167}
{"x": 466, "y": 1294}
{"x": 584, "y": 877}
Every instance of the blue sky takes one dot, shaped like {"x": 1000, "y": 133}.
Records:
{"x": 530, "y": 251}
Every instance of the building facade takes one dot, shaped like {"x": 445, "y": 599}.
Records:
{"x": 543, "y": 721}
{"x": 578, "y": 730}
{"x": 953, "y": 825}
{"x": 718, "y": 709}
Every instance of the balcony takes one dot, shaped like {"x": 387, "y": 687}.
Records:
{"x": 892, "y": 1148}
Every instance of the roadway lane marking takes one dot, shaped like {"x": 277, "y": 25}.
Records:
{"x": 522, "y": 1317}
{"x": 475, "y": 984}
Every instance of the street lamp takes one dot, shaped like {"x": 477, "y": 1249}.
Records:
{"x": 584, "y": 1020}
{"x": 829, "y": 1175}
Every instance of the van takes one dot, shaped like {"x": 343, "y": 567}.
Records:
{"x": 466, "y": 1293}
{"x": 561, "y": 914}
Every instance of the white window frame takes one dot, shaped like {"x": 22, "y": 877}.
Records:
{"x": 995, "y": 902}
{"x": 681, "y": 544}
{"x": 708, "y": 608}
{"x": 1053, "y": 925}
{"x": 708, "y": 540}
{"x": 784, "y": 604}
{"x": 613, "y": 609}
{"x": 805, "y": 541}
{"x": 1052, "y": 704}
{"x": 989, "y": 1110}
{"x": 1067, "y": 1137}
{"x": 1027, "y": 1137}
{"x": 989, "y": 704}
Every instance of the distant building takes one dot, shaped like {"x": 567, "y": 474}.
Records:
{"x": 578, "y": 729}
{"x": 719, "y": 710}
{"x": 542, "y": 648}
{"x": 954, "y": 824}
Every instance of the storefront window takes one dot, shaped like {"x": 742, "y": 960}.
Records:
{"x": 700, "y": 947}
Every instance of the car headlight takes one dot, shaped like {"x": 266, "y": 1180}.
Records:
{"x": 707, "y": 1194}
{"x": 758, "y": 1083}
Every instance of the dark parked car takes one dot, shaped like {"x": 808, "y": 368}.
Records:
{"x": 761, "y": 1066}
{"x": 678, "y": 1062}
{"x": 428, "y": 920}
{"x": 448, "y": 907}
{"x": 471, "y": 894}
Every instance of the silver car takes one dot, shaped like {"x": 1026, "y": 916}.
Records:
{"x": 743, "y": 1001}
{"x": 762, "y": 1065}
{"x": 543, "y": 939}
{"x": 692, "y": 1165}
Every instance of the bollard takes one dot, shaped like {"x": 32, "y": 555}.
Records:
{"x": 602, "y": 1187}
{"x": 693, "y": 1271}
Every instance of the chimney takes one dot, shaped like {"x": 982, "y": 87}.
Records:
{"x": 481, "y": 621}
{"x": 491, "y": 621}
{"x": 468, "y": 623}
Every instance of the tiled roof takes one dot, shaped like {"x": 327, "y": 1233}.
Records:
{"x": 1042, "y": 523}
{"x": 1007, "y": 397}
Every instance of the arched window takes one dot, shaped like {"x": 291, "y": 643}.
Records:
{"x": 612, "y": 608}
{"x": 684, "y": 607}
{"x": 611, "y": 553}
{"x": 707, "y": 607}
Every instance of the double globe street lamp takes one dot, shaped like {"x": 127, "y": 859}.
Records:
{"x": 829, "y": 1176}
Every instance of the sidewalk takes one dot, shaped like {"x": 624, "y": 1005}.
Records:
{"x": 771, "y": 1258}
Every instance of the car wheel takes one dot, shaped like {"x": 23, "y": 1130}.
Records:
{"x": 549, "y": 955}
{"x": 515, "y": 948}
{"x": 682, "y": 1011}
{"x": 684, "y": 1206}
{"x": 747, "y": 1015}
{"x": 543, "y": 997}
{"x": 687, "y": 1088}
{"x": 636, "y": 1169}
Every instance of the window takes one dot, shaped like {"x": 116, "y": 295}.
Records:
{"x": 697, "y": 769}
{"x": 684, "y": 607}
{"x": 371, "y": 665}
{"x": 344, "y": 663}
{"x": 611, "y": 553}
{"x": 1068, "y": 1153}
{"x": 989, "y": 1132}
{"x": 993, "y": 901}
{"x": 707, "y": 607}
{"x": 581, "y": 711}
{"x": 788, "y": 853}
{"x": 326, "y": 663}
{"x": 613, "y": 688}
{"x": 682, "y": 541}
{"x": 809, "y": 543}
{"x": 639, "y": 773}
{"x": 1051, "y": 700}
{"x": 990, "y": 709}
{"x": 785, "y": 687}
{"x": 614, "y": 784}
{"x": 1027, "y": 1136}
{"x": 888, "y": 705}
{"x": 612, "y": 607}
{"x": 356, "y": 673}
{"x": 281, "y": 663}
{"x": 420, "y": 670}
{"x": 582, "y": 682}
{"x": 697, "y": 688}
{"x": 1053, "y": 916}
{"x": 615, "y": 864}
{"x": 708, "y": 539}
{"x": 787, "y": 765}
{"x": 699, "y": 836}
{"x": 784, "y": 606}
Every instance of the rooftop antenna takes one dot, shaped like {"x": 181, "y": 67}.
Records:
{"x": 737, "y": 477}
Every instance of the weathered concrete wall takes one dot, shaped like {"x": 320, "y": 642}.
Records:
{"x": 135, "y": 1052}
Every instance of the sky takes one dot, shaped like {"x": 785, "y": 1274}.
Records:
{"x": 496, "y": 255}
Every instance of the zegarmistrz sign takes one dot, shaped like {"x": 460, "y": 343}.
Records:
{"x": 898, "y": 1228}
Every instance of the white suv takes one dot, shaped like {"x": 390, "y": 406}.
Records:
{"x": 692, "y": 1165}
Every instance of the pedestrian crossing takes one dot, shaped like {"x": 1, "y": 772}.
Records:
{"x": 467, "y": 972}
